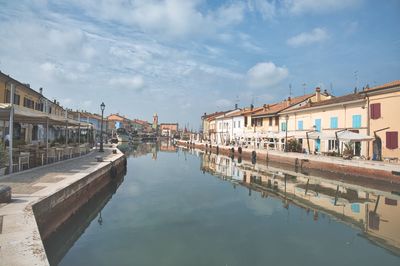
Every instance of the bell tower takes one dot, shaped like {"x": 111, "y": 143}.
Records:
{"x": 155, "y": 121}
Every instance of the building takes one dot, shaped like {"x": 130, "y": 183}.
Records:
{"x": 269, "y": 118}
{"x": 383, "y": 122}
{"x": 32, "y": 102}
{"x": 116, "y": 121}
{"x": 328, "y": 117}
{"x": 208, "y": 125}
{"x": 224, "y": 123}
{"x": 168, "y": 129}
{"x": 155, "y": 121}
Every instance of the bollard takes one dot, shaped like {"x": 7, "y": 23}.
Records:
{"x": 5, "y": 194}
{"x": 253, "y": 157}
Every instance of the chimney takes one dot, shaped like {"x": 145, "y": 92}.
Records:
{"x": 289, "y": 101}
{"x": 41, "y": 90}
{"x": 251, "y": 107}
{"x": 55, "y": 101}
{"x": 355, "y": 90}
{"x": 236, "y": 106}
{"x": 265, "y": 106}
{"x": 318, "y": 94}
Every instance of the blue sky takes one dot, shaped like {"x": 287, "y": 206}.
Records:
{"x": 181, "y": 58}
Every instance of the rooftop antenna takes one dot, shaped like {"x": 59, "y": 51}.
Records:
{"x": 290, "y": 90}
{"x": 356, "y": 77}
{"x": 304, "y": 88}
{"x": 331, "y": 88}
{"x": 237, "y": 101}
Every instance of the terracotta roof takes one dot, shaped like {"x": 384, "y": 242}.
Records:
{"x": 334, "y": 100}
{"x": 140, "y": 122}
{"x": 271, "y": 109}
{"x": 211, "y": 116}
{"x": 391, "y": 84}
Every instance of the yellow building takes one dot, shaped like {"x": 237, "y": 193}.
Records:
{"x": 268, "y": 118}
{"x": 348, "y": 112}
{"x": 384, "y": 123}
{"x": 30, "y": 101}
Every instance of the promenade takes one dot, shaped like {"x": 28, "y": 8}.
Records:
{"x": 20, "y": 240}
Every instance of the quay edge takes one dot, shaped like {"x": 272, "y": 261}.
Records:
{"x": 30, "y": 218}
{"x": 342, "y": 169}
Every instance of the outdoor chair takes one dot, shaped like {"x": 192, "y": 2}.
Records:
{"x": 23, "y": 159}
{"x": 67, "y": 152}
{"x": 51, "y": 154}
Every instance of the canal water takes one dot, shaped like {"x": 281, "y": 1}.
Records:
{"x": 176, "y": 207}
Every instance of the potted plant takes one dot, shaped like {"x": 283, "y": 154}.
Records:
{"x": 3, "y": 158}
{"x": 348, "y": 151}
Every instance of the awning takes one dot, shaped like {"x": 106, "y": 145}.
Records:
{"x": 345, "y": 135}
{"x": 30, "y": 116}
{"x": 352, "y": 136}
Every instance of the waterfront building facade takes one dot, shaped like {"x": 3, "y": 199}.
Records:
{"x": 384, "y": 124}
{"x": 323, "y": 119}
{"x": 32, "y": 102}
{"x": 361, "y": 124}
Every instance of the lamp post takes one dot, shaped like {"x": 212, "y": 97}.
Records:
{"x": 286, "y": 128}
{"x": 102, "y": 106}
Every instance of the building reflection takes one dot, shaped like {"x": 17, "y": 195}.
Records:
{"x": 58, "y": 243}
{"x": 143, "y": 148}
{"x": 376, "y": 213}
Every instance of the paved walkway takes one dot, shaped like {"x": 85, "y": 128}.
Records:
{"x": 20, "y": 241}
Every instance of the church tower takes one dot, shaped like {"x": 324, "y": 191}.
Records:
{"x": 155, "y": 121}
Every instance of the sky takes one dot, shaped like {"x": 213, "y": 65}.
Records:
{"x": 182, "y": 58}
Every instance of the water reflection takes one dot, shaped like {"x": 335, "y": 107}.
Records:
{"x": 142, "y": 149}
{"x": 375, "y": 212}
{"x": 60, "y": 242}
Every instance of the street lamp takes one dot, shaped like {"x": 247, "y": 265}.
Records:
{"x": 102, "y": 106}
{"x": 286, "y": 128}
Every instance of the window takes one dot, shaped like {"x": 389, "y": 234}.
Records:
{"x": 35, "y": 130}
{"x": 332, "y": 144}
{"x": 283, "y": 126}
{"x": 234, "y": 124}
{"x": 16, "y": 97}
{"x": 392, "y": 139}
{"x": 276, "y": 120}
{"x": 318, "y": 125}
{"x": 238, "y": 124}
{"x": 300, "y": 125}
{"x": 258, "y": 122}
{"x": 29, "y": 103}
{"x": 245, "y": 121}
{"x": 375, "y": 110}
{"x": 334, "y": 122}
{"x": 356, "y": 121}
{"x": 270, "y": 121}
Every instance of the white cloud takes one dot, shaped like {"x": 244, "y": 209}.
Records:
{"x": 134, "y": 83}
{"x": 266, "y": 74}
{"x": 266, "y": 8}
{"x": 172, "y": 18}
{"x": 318, "y": 6}
{"x": 306, "y": 38}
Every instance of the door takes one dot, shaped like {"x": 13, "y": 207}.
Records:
{"x": 317, "y": 145}
{"x": 377, "y": 149}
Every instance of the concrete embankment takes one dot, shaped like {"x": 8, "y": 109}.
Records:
{"x": 369, "y": 171}
{"x": 44, "y": 198}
